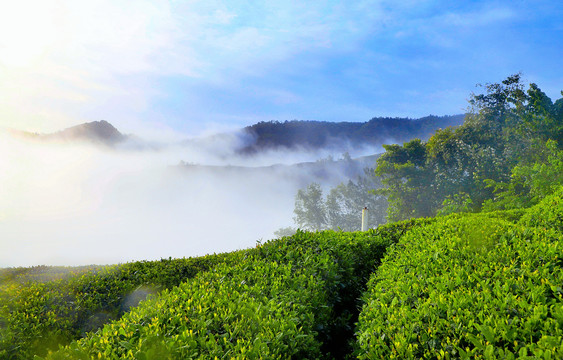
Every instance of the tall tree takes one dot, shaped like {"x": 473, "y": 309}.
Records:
{"x": 407, "y": 182}
{"x": 309, "y": 209}
{"x": 506, "y": 126}
{"x": 345, "y": 202}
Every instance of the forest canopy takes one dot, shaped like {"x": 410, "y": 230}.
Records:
{"x": 507, "y": 154}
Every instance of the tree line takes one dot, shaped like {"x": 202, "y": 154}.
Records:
{"x": 508, "y": 153}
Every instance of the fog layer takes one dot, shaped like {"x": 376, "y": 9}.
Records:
{"x": 70, "y": 204}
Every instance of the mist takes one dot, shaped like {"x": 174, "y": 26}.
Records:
{"x": 78, "y": 204}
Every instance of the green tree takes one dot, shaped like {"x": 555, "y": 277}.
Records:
{"x": 345, "y": 202}
{"x": 503, "y": 138}
{"x": 407, "y": 182}
{"x": 310, "y": 211}
{"x": 529, "y": 182}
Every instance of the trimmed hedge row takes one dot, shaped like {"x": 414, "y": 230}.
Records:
{"x": 295, "y": 297}
{"x": 547, "y": 214}
{"x": 36, "y": 316}
{"x": 254, "y": 309}
{"x": 469, "y": 287}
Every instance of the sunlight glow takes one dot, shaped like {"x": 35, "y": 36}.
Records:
{"x": 28, "y": 30}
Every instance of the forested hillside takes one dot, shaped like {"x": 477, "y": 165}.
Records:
{"x": 508, "y": 154}
{"x": 98, "y": 132}
{"x": 475, "y": 271}
{"x": 299, "y": 134}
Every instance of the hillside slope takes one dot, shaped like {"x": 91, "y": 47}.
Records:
{"x": 472, "y": 286}
{"x": 328, "y": 172}
{"x": 313, "y": 135}
{"x": 97, "y": 132}
{"x": 463, "y": 286}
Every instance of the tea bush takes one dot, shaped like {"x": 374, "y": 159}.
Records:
{"x": 467, "y": 287}
{"x": 547, "y": 214}
{"x": 298, "y": 296}
{"x": 254, "y": 309}
{"x": 40, "y": 314}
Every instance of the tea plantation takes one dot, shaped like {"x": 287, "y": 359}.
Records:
{"x": 486, "y": 285}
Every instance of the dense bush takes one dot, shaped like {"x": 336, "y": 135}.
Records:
{"x": 467, "y": 287}
{"x": 547, "y": 214}
{"x": 37, "y": 314}
{"x": 254, "y": 309}
{"x": 298, "y": 296}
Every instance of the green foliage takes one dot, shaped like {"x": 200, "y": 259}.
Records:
{"x": 546, "y": 214}
{"x": 530, "y": 182}
{"x": 542, "y": 178}
{"x": 288, "y": 298}
{"x": 513, "y": 215}
{"x": 341, "y": 209}
{"x": 239, "y": 311}
{"x": 310, "y": 213}
{"x": 461, "y": 286}
{"x": 405, "y": 179}
{"x": 38, "y": 315}
{"x": 459, "y": 203}
{"x": 467, "y": 287}
{"x": 498, "y": 157}
{"x": 316, "y": 278}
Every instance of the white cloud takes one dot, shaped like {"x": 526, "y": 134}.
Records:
{"x": 83, "y": 60}
{"x": 63, "y": 56}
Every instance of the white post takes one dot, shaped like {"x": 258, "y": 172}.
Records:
{"x": 364, "y": 219}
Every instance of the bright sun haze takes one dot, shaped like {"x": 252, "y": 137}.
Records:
{"x": 164, "y": 72}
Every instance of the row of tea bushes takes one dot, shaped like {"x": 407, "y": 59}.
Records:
{"x": 470, "y": 287}
{"x": 42, "y": 273}
{"x": 289, "y": 298}
{"x": 357, "y": 254}
{"x": 254, "y": 309}
{"x": 37, "y": 314}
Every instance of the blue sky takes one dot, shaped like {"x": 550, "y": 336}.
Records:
{"x": 177, "y": 68}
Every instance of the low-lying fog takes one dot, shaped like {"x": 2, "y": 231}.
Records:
{"x": 71, "y": 204}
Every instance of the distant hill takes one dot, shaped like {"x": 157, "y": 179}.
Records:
{"x": 339, "y": 137}
{"x": 99, "y": 132}
{"x": 328, "y": 172}
{"x": 321, "y": 134}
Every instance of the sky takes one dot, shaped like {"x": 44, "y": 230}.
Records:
{"x": 186, "y": 68}
{"x": 167, "y": 70}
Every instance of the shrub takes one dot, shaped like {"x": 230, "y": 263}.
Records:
{"x": 547, "y": 214}
{"x": 38, "y": 315}
{"x": 467, "y": 287}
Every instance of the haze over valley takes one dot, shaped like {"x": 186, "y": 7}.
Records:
{"x": 90, "y": 194}
{"x": 217, "y": 113}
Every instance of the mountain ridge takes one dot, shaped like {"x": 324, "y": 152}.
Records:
{"x": 308, "y": 135}
{"x": 312, "y": 135}
{"x": 98, "y": 132}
